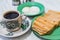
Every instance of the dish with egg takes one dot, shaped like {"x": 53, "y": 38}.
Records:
{"x": 31, "y": 8}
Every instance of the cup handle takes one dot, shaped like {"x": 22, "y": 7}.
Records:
{"x": 23, "y": 17}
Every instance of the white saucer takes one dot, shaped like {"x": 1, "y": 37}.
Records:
{"x": 3, "y": 32}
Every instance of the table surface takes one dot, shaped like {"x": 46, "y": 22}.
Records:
{"x": 7, "y": 5}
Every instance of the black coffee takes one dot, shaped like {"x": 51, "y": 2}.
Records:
{"x": 11, "y": 15}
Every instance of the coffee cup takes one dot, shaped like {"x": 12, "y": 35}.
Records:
{"x": 12, "y": 20}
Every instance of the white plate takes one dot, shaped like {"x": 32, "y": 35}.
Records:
{"x": 17, "y": 33}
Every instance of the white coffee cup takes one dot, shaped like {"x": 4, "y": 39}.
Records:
{"x": 12, "y": 20}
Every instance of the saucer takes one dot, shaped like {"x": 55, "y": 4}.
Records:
{"x": 26, "y": 25}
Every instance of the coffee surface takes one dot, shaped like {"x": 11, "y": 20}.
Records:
{"x": 11, "y": 15}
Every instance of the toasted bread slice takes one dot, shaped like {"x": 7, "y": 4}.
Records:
{"x": 48, "y": 20}
{"x": 37, "y": 30}
{"x": 42, "y": 25}
{"x": 44, "y": 22}
{"x": 53, "y": 16}
{"x": 53, "y": 12}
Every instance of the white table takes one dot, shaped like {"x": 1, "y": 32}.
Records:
{"x": 7, "y": 5}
